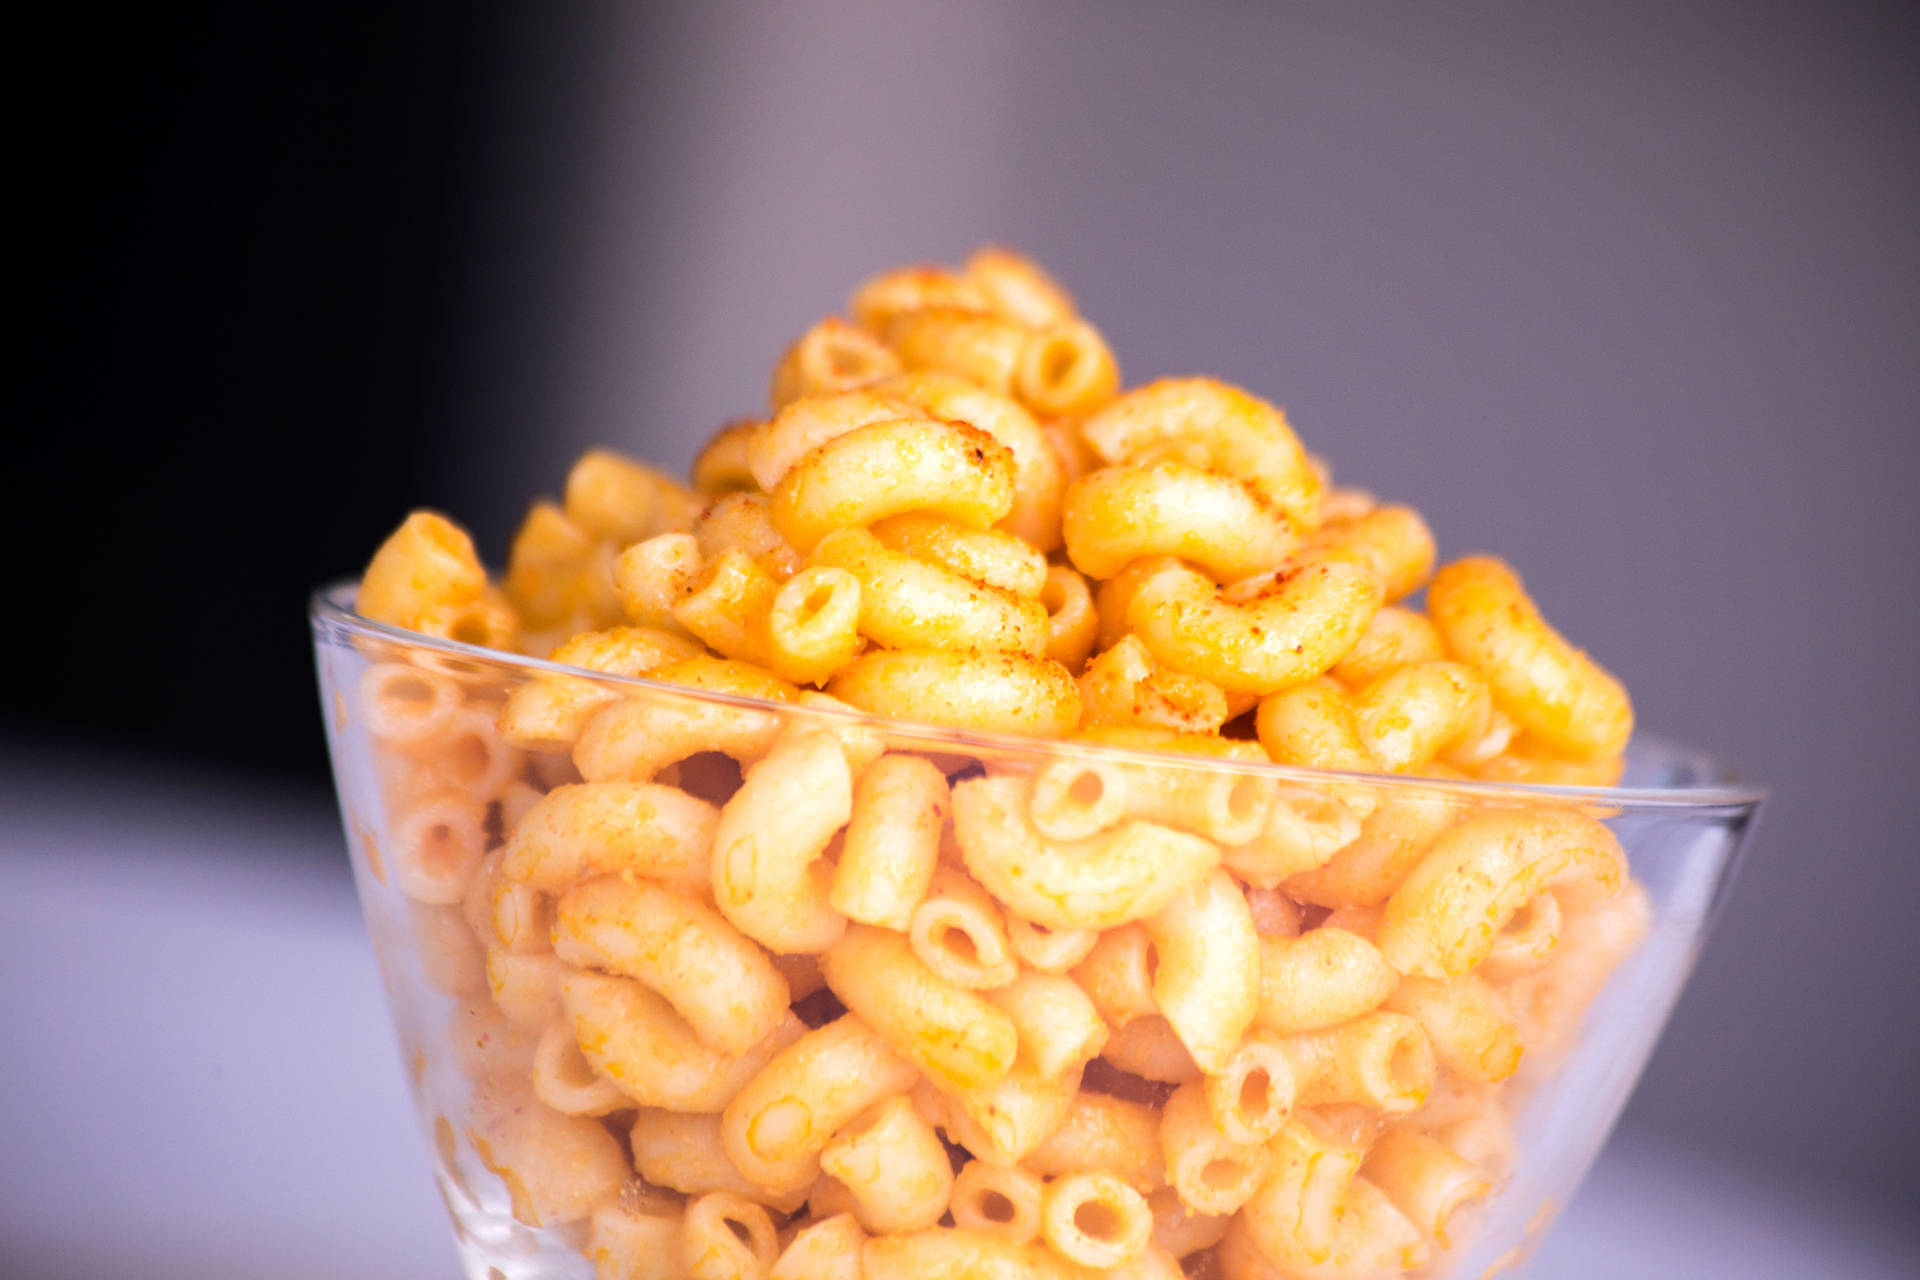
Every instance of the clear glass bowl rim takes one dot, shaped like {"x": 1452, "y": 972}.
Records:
{"x": 331, "y": 610}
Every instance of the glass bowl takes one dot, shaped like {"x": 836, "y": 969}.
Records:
{"x": 569, "y": 878}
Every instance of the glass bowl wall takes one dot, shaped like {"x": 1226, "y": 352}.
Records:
{"x": 1453, "y": 1163}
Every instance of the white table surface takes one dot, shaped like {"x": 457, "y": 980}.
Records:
{"x": 198, "y": 1080}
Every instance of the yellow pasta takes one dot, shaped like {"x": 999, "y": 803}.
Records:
{"x": 610, "y": 828}
{"x": 990, "y": 557}
{"x": 1252, "y": 1093}
{"x": 525, "y": 987}
{"x": 768, "y": 875}
{"x": 628, "y": 1244}
{"x": 437, "y": 847}
{"x": 1393, "y": 542}
{"x": 1394, "y": 637}
{"x": 1058, "y": 1025}
{"x": 1367, "y": 868}
{"x": 777, "y": 1124}
{"x": 549, "y": 712}
{"x": 1467, "y": 1023}
{"x": 1048, "y": 950}
{"x": 832, "y": 356}
{"x": 1119, "y": 514}
{"x": 1107, "y": 1133}
{"x": 557, "y": 1168}
{"x": 1066, "y": 369}
{"x": 1211, "y": 1172}
{"x": 1207, "y": 984}
{"x": 983, "y": 348}
{"x": 564, "y": 1080}
{"x": 896, "y": 1168}
{"x": 954, "y": 1036}
{"x": 721, "y": 983}
{"x": 1298, "y": 628}
{"x": 1528, "y": 940}
{"x": 1038, "y": 481}
{"x": 635, "y": 1039}
{"x": 953, "y": 1253}
{"x": 1211, "y": 425}
{"x": 1379, "y": 1060}
{"x": 956, "y": 931}
{"x": 1095, "y": 1220}
{"x": 1073, "y": 624}
{"x": 1421, "y": 711}
{"x": 887, "y": 468}
{"x": 1425, "y": 1180}
{"x": 1443, "y": 918}
{"x": 743, "y": 521}
{"x": 727, "y": 1237}
{"x": 620, "y": 501}
{"x": 1315, "y": 724}
{"x": 996, "y": 692}
{"x": 906, "y": 603}
{"x": 425, "y": 566}
{"x": 1306, "y": 830}
{"x": 1322, "y": 978}
{"x": 1002, "y": 1123}
{"x": 1147, "y": 1047}
{"x": 997, "y": 1201}
{"x": 1017, "y": 287}
{"x": 1124, "y": 874}
{"x": 1294, "y": 1217}
{"x": 649, "y": 578}
{"x": 682, "y": 1151}
{"x": 1555, "y": 691}
{"x": 891, "y": 293}
{"x": 826, "y": 1250}
{"x": 720, "y": 468}
{"x": 403, "y": 704}
{"x": 558, "y": 574}
{"x": 1125, "y": 686}
{"x": 892, "y": 842}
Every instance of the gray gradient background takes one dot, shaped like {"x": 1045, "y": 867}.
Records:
{"x": 1628, "y": 292}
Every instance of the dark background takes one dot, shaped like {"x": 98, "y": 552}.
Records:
{"x": 1630, "y": 292}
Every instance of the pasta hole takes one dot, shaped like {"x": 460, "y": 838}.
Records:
{"x": 959, "y": 944}
{"x": 741, "y": 1231}
{"x": 470, "y": 627}
{"x": 1059, "y": 359}
{"x": 1222, "y": 1175}
{"x": 1243, "y": 801}
{"x": 817, "y": 599}
{"x": 1533, "y": 914}
{"x": 844, "y": 361}
{"x": 1098, "y": 1220}
{"x": 996, "y": 1207}
{"x": 1255, "y": 1089}
{"x": 440, "y": 849}
{"x": 1403, "y": 1065}
{"x": 411, "y": 690}
{"x": 573, "y": 1067}
{"x": 1152, "y": 962}
{"x": 1086, "y": 789}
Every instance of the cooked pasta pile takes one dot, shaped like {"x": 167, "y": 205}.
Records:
{"x": 752, "y": 987}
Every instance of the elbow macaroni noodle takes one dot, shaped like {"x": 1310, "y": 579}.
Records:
{"x": 760, "y": 990}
